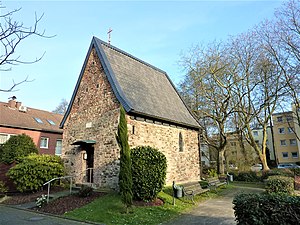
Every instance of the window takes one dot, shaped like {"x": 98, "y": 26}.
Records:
{"x": 255, "y": 133}
{"x": 289, "y": 118}
{"x": 293, "y": 142}
{"x": 281, "y": 130}
{"x": 202, "y": 153}
{"x": 133, "y": 129}
{"x": 233, "y": 143}
{"x": 283, "y": 142}
{"x": 37, "y": 119}
{"x": 44, "y": 142}
{"x": 4, "y": 138}
{"x": 290, "y": 130}
{"x": 58, "y": 147}
{"x": 51, "y": 122}
{"x": 285, "y": 154}
{"x": 295, "y": 155}
{"x": 279, "y": 119}
{"x": 180, "y": 142}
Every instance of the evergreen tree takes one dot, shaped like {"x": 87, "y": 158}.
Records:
{"x": 125, "y": 176}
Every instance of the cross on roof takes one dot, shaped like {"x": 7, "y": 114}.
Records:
{"x": 109, "y": 31}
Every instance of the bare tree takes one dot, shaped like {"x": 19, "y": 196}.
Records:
{"x": 12, "y": 34}
{"x": 62, "y": 107}
{"x": 207, "y": 89}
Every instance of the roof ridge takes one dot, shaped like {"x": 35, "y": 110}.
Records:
{"x": 129, "y": 55}
{"x": 41, "y": 110}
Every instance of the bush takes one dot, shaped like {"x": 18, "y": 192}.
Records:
{"x": 3, "y": 188}
{"x": 149, "y": 168}
{"x": 267, "y": 209}
{"x": 280, "y": 184}
{"x": 34, "y": 170}
{"x": 279, "y": 172}
{"x": 249, "y": 176}
{"x": 85, "y": 191}
{"x": 16, "y": 148}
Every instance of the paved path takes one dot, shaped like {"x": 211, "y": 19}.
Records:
{"x": 213, "y": 211}
{"x": 16, "y": 216}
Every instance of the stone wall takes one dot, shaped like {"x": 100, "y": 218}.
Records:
{"x": 183, "y": 163}
{"x": 94, "y": 116}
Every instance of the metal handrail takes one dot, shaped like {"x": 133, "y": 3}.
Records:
{"x": 66, "y": 177}
{"x": 57, "y": 178}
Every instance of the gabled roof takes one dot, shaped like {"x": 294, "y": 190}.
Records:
{"x": 14, "y": 118}
{"x": 141, "y": 88}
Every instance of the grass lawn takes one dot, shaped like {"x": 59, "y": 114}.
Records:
{"x": 110, "y": 210}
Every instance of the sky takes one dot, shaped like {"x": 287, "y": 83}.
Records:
{"x": 158, "y": 32}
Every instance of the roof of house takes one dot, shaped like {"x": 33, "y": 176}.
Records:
{"x": 29, "y": 119}
{"x": 141, "y": 88}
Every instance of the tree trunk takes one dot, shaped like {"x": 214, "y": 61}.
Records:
{"x": 221, "y": 162}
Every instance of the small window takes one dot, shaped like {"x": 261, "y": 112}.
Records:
{"x": 293, "y": 142}
{"x": 279, "y": 119}
{"x": 290, "y": 130}
{"x": 289, "y": 118}
{"x": 58, "y": 147}
{"x": 133, "y": 129}
{"x": 97, "y": 86}
{"x": 281, "y": 130}
{"x": 295, "y": 155}
{"x": 283, "y": 142}
{"x": 255, "y": 133}
{"x": 3, "y": 138}
{"x": 44, "y": 142}
{"x": 181, "y": 143}
{"x": 202, "y": 153}
{"x": 233, "y": 143}
{"x": 285, "y": 155}
{"x": 51, "y": 122}
{"x": 38, "y": 120}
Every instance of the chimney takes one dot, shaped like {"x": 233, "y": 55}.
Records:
{"x": 18, "y": 104}
{"x": 12, "y": 102}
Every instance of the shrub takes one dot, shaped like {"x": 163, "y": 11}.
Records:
{"x": 149, "y": 168}
{"x": 3, "y": 188}
{"x": 17, "y": 147}
{"x": 125, "y": 175}
{"x": 41, "y": 201}
{"x": 280, "y": 184}
{"x": 267, "y": 209}
{"x": 212, "y": 173}
{"x": 85, "y": 191}
{"x": 34, "y": 170}
{"x": 249, "y": 176}
{"x": 279, "y": 172}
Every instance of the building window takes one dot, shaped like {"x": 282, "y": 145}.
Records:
{"x": 293, "y": 142}
{"x": 4, "y": 138}
{"x": 255, "y": 133}
{"x": 133, "y": 129}
{"x": 295, "y": 155}
{"x": 202, "y": 153}
{"x": 38, "y": 120}
{"x": 281, "y": 130}
{"x": 279, "y": 119}
{"x": 285, "y": 155}
{"x": 289, "y": 118}
{"x": 44, "y": 142}
{"x": 233, "y": 144}
{"x": 181, "y": 143}
{"x": 290, "y": 130}
{"x": 58, "y": 147}
{"x": 51, "y": 122}
{"x": 283, "y": 142}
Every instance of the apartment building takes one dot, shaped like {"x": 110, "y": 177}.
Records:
{"x": 286, "y": 130}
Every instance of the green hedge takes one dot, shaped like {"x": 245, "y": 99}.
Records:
{"x": 149, "y": 168}
{"x": 249, "y": 176}
{"x": 266, "y": 209}
{"x": 34, "y": 170}
{"x": 280, "y": 184}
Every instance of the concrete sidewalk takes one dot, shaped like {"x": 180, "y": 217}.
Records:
{"x": 213, "y": 211}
